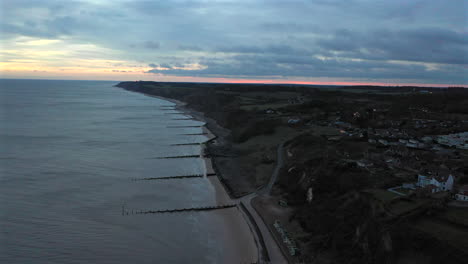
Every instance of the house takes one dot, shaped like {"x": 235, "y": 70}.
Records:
{"x": 344, "y": 125}
{"x": 383, "y": 142}
{"x": 399, "y": 151}
{"x": 457, "y": 140}
{"x": 462, "y": 194}
{"x": 436, "y": 183}
{"x": 294, "y": 121}
{"x": 425, "y": 92}
{"x": 364, "y": 163}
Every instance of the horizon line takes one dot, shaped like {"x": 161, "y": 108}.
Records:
{"x": 268, "y": 82}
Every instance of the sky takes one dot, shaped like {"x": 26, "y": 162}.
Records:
{"x": 393, "y": 42}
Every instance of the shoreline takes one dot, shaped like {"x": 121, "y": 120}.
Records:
{"x": 222, "y": 191}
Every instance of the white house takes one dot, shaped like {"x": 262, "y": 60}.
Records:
{"x": 437, "y": 183}
{"x": 294, "y": 121}
{"x": 462, "y": 194}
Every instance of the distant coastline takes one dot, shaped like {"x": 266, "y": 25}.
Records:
{"x": 218, "y": 182}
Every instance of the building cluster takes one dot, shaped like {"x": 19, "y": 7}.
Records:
{"x": 407, "y": 154}
{"x": 457, "y": 140}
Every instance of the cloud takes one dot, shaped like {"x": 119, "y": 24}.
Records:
{"x": 189, "y": 47}
{"x": 47, "y": 28}
{"x": 399, "y": 39}
{"x": 151, "y": 45}
{"x": 165, "y": 65}
{"x": 432, "y": 45}
{"x": 280, "y": 49}
{"x": 267, "y": 66}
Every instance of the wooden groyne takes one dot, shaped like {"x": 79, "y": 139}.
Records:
{"x": 187, "y": 144}
{"x": 201, "y": 208}
{"x": 179, "y": 157}
{"x": 176, "y": 113}
{"x": 183, "y": 126}
{"x": 188, "y": 118}
{"x": 175, "y": 177}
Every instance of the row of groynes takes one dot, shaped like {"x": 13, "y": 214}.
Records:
{"x": 201, "y": 208}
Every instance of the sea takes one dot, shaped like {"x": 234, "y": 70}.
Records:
{"x": 72, "y": 158}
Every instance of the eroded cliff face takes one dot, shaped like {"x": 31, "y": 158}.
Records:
{"x": 326, "y": 191}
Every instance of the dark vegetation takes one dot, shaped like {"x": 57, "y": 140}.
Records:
{"x": 351, "y": 218}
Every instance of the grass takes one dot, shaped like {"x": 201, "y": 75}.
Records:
{"x": 403, "y": 190}
{"x": 402, "y": 206}
{"x": 457, "y": 237}
{"x": 360, "y": 90}
{"x": 455, "y": 215}
{"x": 257, "y": 147}
{"x": 261, "y": 107}
{"x": 325, "y": 130}
{"x": 382, "y": 195}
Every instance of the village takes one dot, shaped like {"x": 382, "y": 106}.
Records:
{"x": 431, "y": 152}
{"x": 436, "y": 160}
{"x": 416, "y": 165}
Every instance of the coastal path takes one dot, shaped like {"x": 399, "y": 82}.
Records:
{"x": 273, "y": 250}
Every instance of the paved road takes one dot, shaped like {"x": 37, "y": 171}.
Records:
{"x": 279, "y": 164}
{"x": 274, "y": 252}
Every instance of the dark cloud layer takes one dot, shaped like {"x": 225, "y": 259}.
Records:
{"x": 432, "y": 45}
{"x": 423, "y": 40}
{"x": 280, "y": 66}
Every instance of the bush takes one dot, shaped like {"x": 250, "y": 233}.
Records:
{"x": 255, "y": 128}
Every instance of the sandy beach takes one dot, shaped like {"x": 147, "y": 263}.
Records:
{"x": 241, "y": 243}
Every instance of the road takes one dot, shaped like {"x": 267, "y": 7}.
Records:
{"x": 279, "y": 164}
{"x": 274, "y": 252}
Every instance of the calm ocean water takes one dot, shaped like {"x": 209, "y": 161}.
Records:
{"x": 68, "y": 152}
